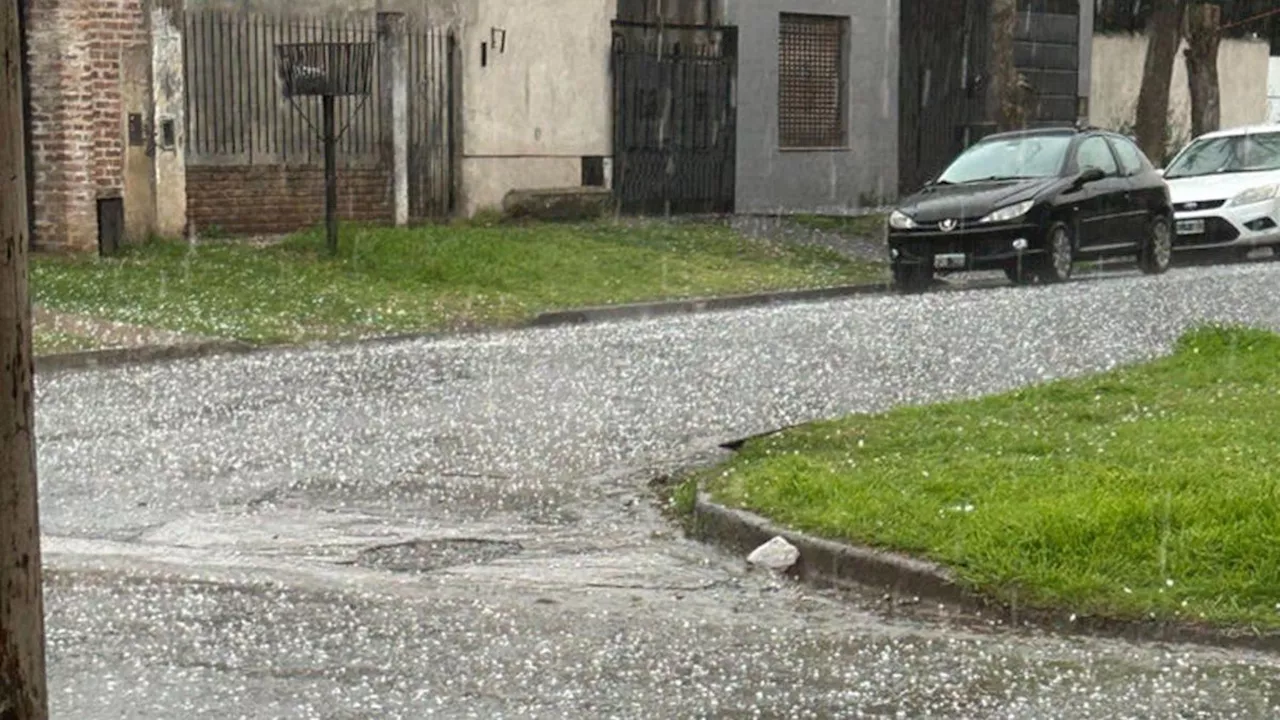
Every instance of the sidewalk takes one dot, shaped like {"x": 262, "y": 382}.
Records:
{"x": 105, "y": 334}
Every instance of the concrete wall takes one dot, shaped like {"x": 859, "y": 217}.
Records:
{"x": 535, "y": 108}
{"x": 1273, "y": 91}
{"x": 830, "y": 180}
{"x": 1117, "y": 79}
{"x": 169, "y": 98}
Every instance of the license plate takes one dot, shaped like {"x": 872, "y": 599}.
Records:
{"x": 1190, "y": 227}
{"x": 949, "y": 261}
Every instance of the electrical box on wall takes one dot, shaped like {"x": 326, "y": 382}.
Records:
{"x": 168, "y": 134}
{"x": 137, "y": 133}
{"x": 593, "y": 171}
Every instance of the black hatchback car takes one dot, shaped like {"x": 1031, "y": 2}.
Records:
{"x": 1032, "y": 203}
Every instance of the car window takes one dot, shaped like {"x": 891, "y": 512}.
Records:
{"x": 1094, "y": 152}
{"x": 1131, "y": 158}
{"x": 1030, "y": 156}
{"x": 1240, "y": 153}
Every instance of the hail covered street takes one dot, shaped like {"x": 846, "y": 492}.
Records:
{"x": 464, "y": 528}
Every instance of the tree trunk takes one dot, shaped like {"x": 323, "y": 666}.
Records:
{"x": 1163, "y": 37}
{"x": 22, "y": 672}
{"x": 1009, "y": 91}
{"x": 1204, "y": 33}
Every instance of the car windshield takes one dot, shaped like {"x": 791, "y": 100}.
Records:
{"x": 1018, "y": 157}
{"x": 1239, "y": 153}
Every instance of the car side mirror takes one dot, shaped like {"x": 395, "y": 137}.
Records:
{"x": 1092, "y": 175}
{"x": 1089, "y": 175}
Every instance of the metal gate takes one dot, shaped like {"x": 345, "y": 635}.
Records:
{"x": 943, "y": 61}
{"x": 1046, "y": 51}
{"x": 945, "y": 68}
{"x": 432, "y": 132}
{"x": 675, "y": 118}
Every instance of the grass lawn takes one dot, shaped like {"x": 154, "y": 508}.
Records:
{"x": 1153, "y": 489}
{"x": 871, "y": 226}
{"x": 426, "y": 278}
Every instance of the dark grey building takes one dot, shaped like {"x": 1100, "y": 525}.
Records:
{"x": 786, "y": 106}
{"x": 817, "y": 103}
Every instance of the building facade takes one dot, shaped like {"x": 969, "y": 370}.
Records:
{"x": 167, "y": 116}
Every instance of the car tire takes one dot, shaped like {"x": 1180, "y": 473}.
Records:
{"x": 1157, "y": 251}
{"x": 1055, "y": 265}
{"x": 912, "y": 277}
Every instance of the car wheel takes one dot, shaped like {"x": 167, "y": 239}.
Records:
{"x": 1157, "y": 253}
{"x": 912, "y": 277}
{"x": 1059, "y": 256}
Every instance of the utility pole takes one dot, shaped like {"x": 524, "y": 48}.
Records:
{"x": 23, "y": 695}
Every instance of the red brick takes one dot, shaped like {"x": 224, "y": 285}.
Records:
{"x": 249, "y": 200}
{"x": 78, "y": 129}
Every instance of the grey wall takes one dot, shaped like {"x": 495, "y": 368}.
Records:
{"x": 770, "y": 180}
{"x": 1086, "y": 50}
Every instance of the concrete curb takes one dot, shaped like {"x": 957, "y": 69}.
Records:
{"x": 824, "y": 563}
{"x": 637, "y": 311}
{"x": 114, "y": 357}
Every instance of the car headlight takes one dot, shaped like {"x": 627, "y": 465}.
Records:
{"x": 1012, "y": 212}
{"x": 1255, "y": 195}
{"x": 899, "y": 220}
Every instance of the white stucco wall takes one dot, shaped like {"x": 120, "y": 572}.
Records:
{"x": 169, "y": 97}
{"x": 537, "y": 107}
{"x": 1117, "y": 79}
{"x": 1273, "y": 91}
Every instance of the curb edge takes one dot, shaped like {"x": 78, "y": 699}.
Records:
{"x": 826, "y": 563}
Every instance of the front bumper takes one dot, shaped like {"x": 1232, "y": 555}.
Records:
{"x": 1250, "y": 226}
{"x": 965, "y": 248}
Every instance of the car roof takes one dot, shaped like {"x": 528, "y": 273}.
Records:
{"x": 1058, "y": 130}
{"x": 1032, "y": 132}
{"x": 1241, "y": 131}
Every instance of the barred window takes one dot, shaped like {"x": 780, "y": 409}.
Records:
{"x": 811, "y": 87}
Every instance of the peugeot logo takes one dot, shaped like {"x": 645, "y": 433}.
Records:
{"x": 1192, "y": 205}
{"x": 948, "y": 225}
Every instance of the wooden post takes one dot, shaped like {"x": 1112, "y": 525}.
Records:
{"x": 22, "y": 672}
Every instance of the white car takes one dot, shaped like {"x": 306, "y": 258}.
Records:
{"x": 1225, "y": 188}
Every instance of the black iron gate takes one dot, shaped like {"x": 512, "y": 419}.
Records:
{"x": 943, "y": 61}
{"x": 945, "y": 102}
{"x": 675, "y": 118}
{"x": 1046, "y": 51}
{"x": 432, "y": 56}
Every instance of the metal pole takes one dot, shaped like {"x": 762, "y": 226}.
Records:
{"x": 330, "y": 177}
{"x": 22, "y": 658}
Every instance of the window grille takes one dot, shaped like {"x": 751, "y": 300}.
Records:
{"x": 811, "y": 87}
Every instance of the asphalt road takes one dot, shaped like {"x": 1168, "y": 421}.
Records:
{"x": 463, "y": 528}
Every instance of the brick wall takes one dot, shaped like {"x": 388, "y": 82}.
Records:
{"x": 264, "y": 200}
{"x": 77, "y": 119}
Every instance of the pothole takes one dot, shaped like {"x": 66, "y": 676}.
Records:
{"x": 420, "y": 556}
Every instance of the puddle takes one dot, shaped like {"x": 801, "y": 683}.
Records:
{"x": 420, "y": 556}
